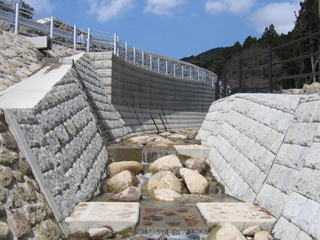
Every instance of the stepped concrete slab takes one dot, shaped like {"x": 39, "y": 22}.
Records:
{"x": 193, "y": 150}
{"x": 241, "y": 215}
{"x": 117, "y": 215}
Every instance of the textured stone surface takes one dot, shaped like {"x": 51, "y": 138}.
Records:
{"x": 121, "y": 181}
{"x": 6, "y": 176}
{"x": 100, "y": 233}
{"x": 163, "y": 180}
{"x": 165, "y": 163}
{"x": 196, "y": 183}
{"x": 225, "y": 231}
{"x": 35, "y": 213}
{"x": 8, "y": 158}
{"x": 197, "y": 164}
{"x": 4, "y": 230}
{"x": 117, "y": 167}
{"x": 165, "y": 195}
{"x": 264, "y": 149}
{"x": 131, "y": 194}
{"x": 18, "y": 223}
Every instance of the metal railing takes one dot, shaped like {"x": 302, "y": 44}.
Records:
{"x": 93, "y": 41}
{"x": 236, "y": 71}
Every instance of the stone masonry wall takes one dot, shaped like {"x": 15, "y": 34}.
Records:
{"x": 144, "y": 101}
{"x": 265, "y": 149}
{"x": 62, "y": 133}
{"x": 24, "y": 212}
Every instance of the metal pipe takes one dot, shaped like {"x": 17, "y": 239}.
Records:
{"x": 150, "y": 62}
{"x": 16, "y": 22}
{"x": 134, "y": 55}
{"x": 75, "y": 37}
{"x": 88, "y": 40}
{"x": 51, "y": 27}
{"x": 142, "y": 60}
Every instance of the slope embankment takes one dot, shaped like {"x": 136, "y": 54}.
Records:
{"x": 265, "y": 149}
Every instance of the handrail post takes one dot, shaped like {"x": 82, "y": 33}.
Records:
{"x": 269, "y": 69}
{"x": 126, "y": 50}
{"x": 75, "y": 37}
{"x": 16, "y": 22}
{"x": 224, "y": 82}
{"x": 88, "y": 40}
{"x": 115, "y": 43}
{"x": 198, "y": 74}
{"x": 150, "y": 62}
{"x": 51, "y": 27}
{"x": 217, "y": 92}
{"x": 142, "y": 58}
{"x": 158, "y": 65}
{"x": 182, "y": 71}
{"x": 240, "y": 75}
{"x": 174, "y": 69}
{"x": 134, "y": 55}
{"x": 166, "y": 67}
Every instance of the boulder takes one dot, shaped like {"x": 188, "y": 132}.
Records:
{"x": 100, "y": 233}
{"x": 263, "y": 235}
{"x": 6, "y": 176}
{"x": 166, "y": 163}
{"x": 165, "y": 195}
{"x": 131, "y": 194}
{"x": 8, "y": 158}
{"x": 163, "y": 180}
{"x": 196, "y": 164}
{"x": 313, "y": 88}
{"x": 117, "y": 167}
{"x": 35, "y": 212}
{"x": 196, "y": 183}
{"x": 250, "y": 231}
{"x": 18, "y": 223}
{"x": 224, "y": 232}
{"x": 121, "y": 181}
{"x": 4, "y": 230}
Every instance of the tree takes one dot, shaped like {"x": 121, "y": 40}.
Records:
{"x": 269, "y": 36}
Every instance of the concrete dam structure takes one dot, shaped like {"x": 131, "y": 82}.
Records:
{"x": 264, "y": 147}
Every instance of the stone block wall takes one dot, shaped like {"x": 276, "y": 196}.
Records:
{"x": 24, "y": 212}
{"x": 265, "y": 149}
{"x": 62, "y": 133}
{"x": 133, "y": 86}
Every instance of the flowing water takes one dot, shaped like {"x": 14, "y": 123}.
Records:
{"x": 175, "y": 220}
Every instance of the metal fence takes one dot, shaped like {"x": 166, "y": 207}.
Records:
{"x": 31, "y": 23}
{"x": 236, "y": 71}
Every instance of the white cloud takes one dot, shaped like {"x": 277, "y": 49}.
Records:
{"x": 106, "y": 10}
{"x": 162, "y": 7}
{"x": 40, "y": 6}
{"x": 232, "y": 6}
{"x": 281, "y": 15}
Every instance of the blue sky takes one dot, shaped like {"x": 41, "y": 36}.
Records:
{"x": 175, "y": 28}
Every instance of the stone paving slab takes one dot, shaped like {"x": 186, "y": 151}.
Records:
{"x": 119, "y": 216}
{"x": 241, "y": 215}
{"x": 193, "y": 150}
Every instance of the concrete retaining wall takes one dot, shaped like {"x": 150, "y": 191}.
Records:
{"x": 265, "y": 149}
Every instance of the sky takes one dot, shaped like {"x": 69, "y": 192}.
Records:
{"x": 175, "y": 28}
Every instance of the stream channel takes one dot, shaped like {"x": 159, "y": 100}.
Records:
{"x": 180, "y": 219}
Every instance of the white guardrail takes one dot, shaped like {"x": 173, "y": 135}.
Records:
{"x": 31, "y": 23}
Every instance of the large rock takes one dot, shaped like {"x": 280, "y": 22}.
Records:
{"x": 196, "y": 164}
{"x": 18, "y": 223}
{"x": 131, "y": 194}
{"x": 35, "y": 213}
{"x": 166, "y": 163}
{"x": 163, "y": 180}
{"x": 165, "y": 195}
{"x": 48, "y": 230}
{"x": 4, "y": 230}
{"x": 8, "y": 158}
{"x": 6, "y": 176}
{"x": 250, "y": 231}
{"x": 195, "y": 182}
{"x": 117, "y": 167}
{"x": 121, "y": 181}
{"x": 313, "y": 88}
{"x": 100, "y": 233}
{"x": 225, "y": 232}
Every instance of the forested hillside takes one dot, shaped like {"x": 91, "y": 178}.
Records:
{"x": 307, "y": 22}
